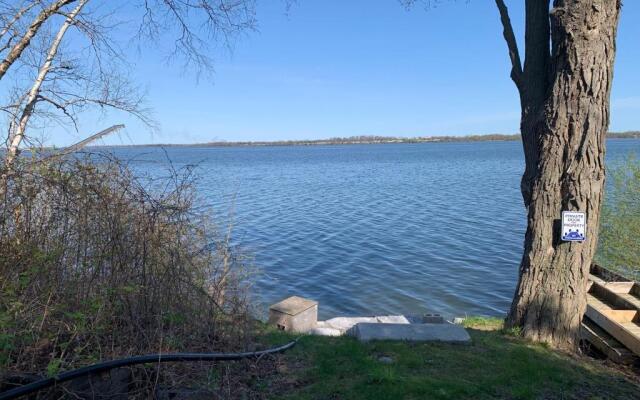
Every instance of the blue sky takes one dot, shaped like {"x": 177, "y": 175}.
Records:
{"x": 359, "y": 67}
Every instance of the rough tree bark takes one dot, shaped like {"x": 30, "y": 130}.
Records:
{"x": 564, "y": 91}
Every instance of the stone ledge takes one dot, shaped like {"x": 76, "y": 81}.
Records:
{"x": 449, "y": 333}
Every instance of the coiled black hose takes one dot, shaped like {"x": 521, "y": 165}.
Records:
{"x": 150, "y": 358}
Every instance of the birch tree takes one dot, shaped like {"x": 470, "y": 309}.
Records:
{"x": 17, "y": 128}
{"x": 64, "y": 84}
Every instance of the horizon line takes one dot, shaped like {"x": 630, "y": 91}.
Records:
{"x": 357, "y": 139}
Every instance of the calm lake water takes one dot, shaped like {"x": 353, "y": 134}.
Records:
{"x": 372, "y": 229}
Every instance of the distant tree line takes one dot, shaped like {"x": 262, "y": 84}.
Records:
{"x": 624, "y": 135}
{"x": 372, "y": 139}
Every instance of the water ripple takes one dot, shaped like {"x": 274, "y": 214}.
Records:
{"x": 373, "y": 229}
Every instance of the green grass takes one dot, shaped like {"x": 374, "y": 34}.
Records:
{"x": 496, "y": 366}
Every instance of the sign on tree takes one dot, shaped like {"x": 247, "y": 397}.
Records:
{"x": 574, "y": 226}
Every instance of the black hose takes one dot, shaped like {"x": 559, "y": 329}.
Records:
{"x": 150, "y": 358}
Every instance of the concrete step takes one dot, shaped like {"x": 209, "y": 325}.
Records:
{"x": 449, "y": 333}
{"x": 340, "y": 325}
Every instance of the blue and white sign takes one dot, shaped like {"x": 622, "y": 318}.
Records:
{"x": 574, "y": 226}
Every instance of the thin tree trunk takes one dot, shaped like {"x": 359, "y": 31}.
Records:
{"x": 17, "y": 136}
{"x": 565, "y": 132}
{"x": 33, "y": 29}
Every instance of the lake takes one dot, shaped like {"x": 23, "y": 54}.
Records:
{"x": 371, "y": 229}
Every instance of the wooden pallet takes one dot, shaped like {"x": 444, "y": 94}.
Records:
{"x": 605, "y": 343}
{"x": 612, "y": 318}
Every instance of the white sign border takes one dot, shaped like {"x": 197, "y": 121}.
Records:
{"x": 562, "y": 237}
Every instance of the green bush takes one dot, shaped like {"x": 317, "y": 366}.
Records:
{"x": 619, "y": 248}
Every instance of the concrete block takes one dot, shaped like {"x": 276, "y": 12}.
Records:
{"x": 345, "y": 323}
{"x": 294, "y": 314}
{"x": 323, "y": 331}
{"x": 449, "y": 333}
{"x": 392, "y": 319}
{"x": 340, "y": 325}
{"x": 432, "y": 319}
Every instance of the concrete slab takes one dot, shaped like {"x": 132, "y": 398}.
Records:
{"x": 449, "y": 333}
{"x": 345, "y": 323}
{"x": 325, "y": 331}
{"x": 432, "y": 319}
{"x": 392, "y": 319}
{"x": 340, "y": 325}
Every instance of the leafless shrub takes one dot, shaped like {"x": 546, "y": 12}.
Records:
{"x": 98, "y": 264}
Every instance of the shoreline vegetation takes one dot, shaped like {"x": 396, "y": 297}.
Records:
{"x": 107, "y": 264}
{"x": 367, "y": 139}
{"x": 98, "y": 263}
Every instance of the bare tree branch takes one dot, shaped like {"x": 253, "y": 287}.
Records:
{"x": 196, "y": 25}
{"x": 9, "y": 25}
{"x": 509, "y": 37}
{"x": 35, "y": 26}
{"x": 60, "y": 107}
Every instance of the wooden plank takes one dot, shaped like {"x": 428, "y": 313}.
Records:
{"x": 597, "y": 303}
{"x": 614, "y": 287}
{"x": 632, "y": 327}
{"x": 606, "y": 274}
{"x": 597, "y": 312}
{"x": 613, "y": 306}
{"x": 615, "y": 300}
{"x": 602, "y": 341}
{"x": 621, "y": 316}
{"x": 597, "y": 279}
{"x": 631, "y": 299}
{"x": 619, "y": 287}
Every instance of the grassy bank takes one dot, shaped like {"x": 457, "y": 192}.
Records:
{"x": 497, "y": 365}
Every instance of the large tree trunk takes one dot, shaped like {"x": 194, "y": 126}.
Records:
{"x": 564, "y": 122}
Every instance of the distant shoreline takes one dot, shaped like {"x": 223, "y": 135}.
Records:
{"x": 363, "y": 140}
